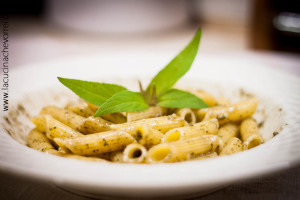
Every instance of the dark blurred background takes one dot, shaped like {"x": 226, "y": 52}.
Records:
{"x": 276, "y": 25}
{"x": 272, "y": 24}
{"x": 46, "y": 29}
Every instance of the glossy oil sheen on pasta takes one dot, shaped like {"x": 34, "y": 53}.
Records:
{"x": 155, "y": 135}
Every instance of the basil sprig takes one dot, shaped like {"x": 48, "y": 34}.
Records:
{"x": 112, "y": 98}
{"x": 170, "y": 74}
{"x": 93, "y": 92}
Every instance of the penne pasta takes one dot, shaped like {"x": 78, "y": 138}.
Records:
{"x": 134, "y": 153}
{"x": 147, "y": 136}
{"x": 206, "y": 97}
{"x": 94, "y": 125}
{"x": 184, "y": 149}
{"x": 155, "y": 125}
{"x": 223, "y": 102}
{"x": 53, "y": 128}
{"x": 162, "y": 124}
{"x": 187, "y": 114}
{"x": 230, "y": 113}
{"x": 37, "y": 140}
{"x": 155, "y": 135}
{"x": 186, "y": 132}
{"x": 116, "y": 118}
{"x": 84, "y": 125}
{"x": 97, "y": 143}
{"x": 234, "y": 145}
{"x": 80, "y": 108}
{"x": 64, "y": 116}
{"x": 78, "y": 157}
{"x": 227, "y": 132}
{"x": 250, "y": 134}
{"x": 153, "y": 111}
{"x": 93, "y": 107}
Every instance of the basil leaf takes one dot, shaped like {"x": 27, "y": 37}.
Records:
{"x": 175, "y": 98}
{"x": 93, "y": 92}
{"x": 169, "y": 75}
{"x": 124, "y": 101}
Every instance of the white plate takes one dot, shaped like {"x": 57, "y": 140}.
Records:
{"x": 36, "y": 86}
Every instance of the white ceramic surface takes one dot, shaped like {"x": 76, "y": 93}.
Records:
{"x": 36, "y": 86}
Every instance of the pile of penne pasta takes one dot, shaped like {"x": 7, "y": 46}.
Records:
{"x": 152, "y": 136}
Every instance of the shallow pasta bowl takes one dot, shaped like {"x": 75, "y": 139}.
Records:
{"x": 33, "y": 87}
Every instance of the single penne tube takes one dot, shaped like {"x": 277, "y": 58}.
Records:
{"x": 97, "y": 143}
{"x": 206, "y": 156}
{"x": 147, "y": 136}
{"x": 94, "y": 125}
{"x": 228, "y": 131}
{"x": 53, "y": 128}
{"x": 84, "y": 125}
{"x": 78, "y": 157}
{"x": 152, "y": 111}
{"x": 134, "y": 153}
{"x": 250, "y": 133}
{"x": 187, "y": 114}
{"x": 40, "y": 122}
{"x": 186, "y": 132}
{"x": 37, "y": 140}
{"x": 223, "y": 101}
{"x": 93, "y": 107}
{"x": 206, "y": 97}
{"x": 162, "y": 124}
{"x": 229, "y": 113}
{"x": 234, "y": 145}
{"x": 116, "y": 118}
{"x": 65, "y": 116}
{"x": 81, "y": 108}
{"x": 184, "y": 149}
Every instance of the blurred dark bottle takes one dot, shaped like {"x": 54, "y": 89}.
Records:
{"x": 276, "y": 25}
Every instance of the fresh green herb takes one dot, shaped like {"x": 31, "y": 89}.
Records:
{"x": 175, "y": 98}
{"x": 115, "y": 98}
{"x": 124, "y": 101}
{"x": 169, "y": 75}
{"x": 93, "y": 92}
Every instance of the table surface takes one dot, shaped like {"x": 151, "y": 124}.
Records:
{"x": 32, "y": 42}
{"x": 284, "y": 185}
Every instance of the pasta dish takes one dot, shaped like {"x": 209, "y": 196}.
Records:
{"x": 154, "y": 135}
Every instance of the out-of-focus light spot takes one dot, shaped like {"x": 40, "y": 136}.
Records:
{"x": 287, "y": 21}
